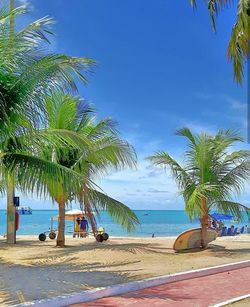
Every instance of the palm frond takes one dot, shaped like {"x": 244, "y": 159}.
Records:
{"x": 164, "y": 160}
{"x": 233, "y": 208}
{"x": 34, "y": 174}
{"x": 187, "y": 133}
{"x": 211, "y": 173}
{"x": 55, "y": 71}
{"x": 120, "y": 213}
{"x": 236, "y": 175}
{"x": 105, "y": 155}
{"x": 34, "y": 33}
{"x": 238, "y": 47}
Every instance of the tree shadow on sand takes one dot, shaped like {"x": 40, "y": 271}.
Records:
{"x": 6, "y": 298}
{"x": 39, "y": 283}
{"x": 147, "y": 297}
{"x": 220, "y": 250}
{"x": 132, "y": 248}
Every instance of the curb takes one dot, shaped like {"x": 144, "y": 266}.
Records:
{"x": 233, "y": 300}
{"x": 97, "y": 293}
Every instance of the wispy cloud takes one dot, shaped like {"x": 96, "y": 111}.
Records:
{"x": 151, "y": 190}
{"x": 236, "y": 104}
{"x": 198, "y": 127}
{"x": 142, "y": 189}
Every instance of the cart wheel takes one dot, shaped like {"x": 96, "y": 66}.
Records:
{"x": 42, "y": 237}
{"x": 99, "y": 238}
{"x": 105, "y": 236}
{"x": 52, "y": 235}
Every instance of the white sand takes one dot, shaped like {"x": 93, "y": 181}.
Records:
{"x": 33, "y": 270}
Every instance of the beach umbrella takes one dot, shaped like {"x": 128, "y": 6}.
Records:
{"x": 221, "y": 216}
{"x": 72, "y": 215}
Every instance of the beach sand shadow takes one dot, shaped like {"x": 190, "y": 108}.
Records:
{"x": 132, "y": 248}
{"x": 39, "y": 283}
{"x": 220, "y": 250}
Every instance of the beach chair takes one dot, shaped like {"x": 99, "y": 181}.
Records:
{"x": 228, "y": 232}
{"x": 224, "y": 231}
{"x": 235, "y": 231}
{"x": 100, "y": 230}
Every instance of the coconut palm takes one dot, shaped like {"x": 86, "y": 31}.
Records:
{"x": 27, "y": 74}
{"x": 210, "y": 176}
{"x": 107, "y": 151}
{"x": 238, "y": 47}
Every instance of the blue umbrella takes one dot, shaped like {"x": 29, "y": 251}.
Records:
{"x": 220, "y": 216}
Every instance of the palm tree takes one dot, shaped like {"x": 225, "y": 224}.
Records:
{"x": 238, "y": 47}
{"x": 106, "y": 151}
{"x": 210, "y": 175}
{"x": 27, "y": 74}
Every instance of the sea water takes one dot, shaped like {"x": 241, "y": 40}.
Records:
{"x": 158, "y": 222}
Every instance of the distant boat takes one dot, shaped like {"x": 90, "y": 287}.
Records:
{"x": 24, "y": 210}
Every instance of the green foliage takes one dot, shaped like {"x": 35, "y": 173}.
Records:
{"x": 102, "y": 152}
{"x": 27, "y": 74}
{"x": 120, "y": 213}
{"x": 49, "y": 140}
{"x": 210, "y": 172}
{"x": 238, "y": 47}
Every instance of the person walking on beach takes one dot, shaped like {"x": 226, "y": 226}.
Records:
{"x": 84, "y": 227}
{"x": 77, "y": 228}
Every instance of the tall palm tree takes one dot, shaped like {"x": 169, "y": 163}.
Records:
{"x": 106, "y": 151}
{"x": 27, "y": 74}
{"x": 210, "y": 175}
{"x": 238, "y": 46}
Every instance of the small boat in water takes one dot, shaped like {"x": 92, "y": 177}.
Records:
{"x": 24, "y": 210}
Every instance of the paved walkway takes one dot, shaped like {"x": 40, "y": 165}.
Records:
{"x": 197, "y": 292}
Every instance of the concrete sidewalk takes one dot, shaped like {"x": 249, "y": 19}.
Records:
{"x": 198, "y": 292}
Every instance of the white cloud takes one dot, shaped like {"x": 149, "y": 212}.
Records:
{"x": 197, "y": 127}
{"x": 236, "y": 104}
{"x": 140, "y": 190}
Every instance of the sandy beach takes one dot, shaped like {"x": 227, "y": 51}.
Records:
{"x": 34, "y": 270}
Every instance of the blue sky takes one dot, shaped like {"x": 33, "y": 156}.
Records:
{"x": 160, "y": 67}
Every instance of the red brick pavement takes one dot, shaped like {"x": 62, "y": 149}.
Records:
{"x": 197, "y": 292}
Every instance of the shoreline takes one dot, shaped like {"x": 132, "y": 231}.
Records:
{"x": 243, "y": 236}
{"x": 34, "y": 237}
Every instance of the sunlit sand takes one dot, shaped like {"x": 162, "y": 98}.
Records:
{"x": 33, "y": 270}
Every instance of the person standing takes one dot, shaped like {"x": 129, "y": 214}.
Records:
{"x": 220, "y": 225}
{"x": 77, "y": 228}
{"x": 84, "y": 227}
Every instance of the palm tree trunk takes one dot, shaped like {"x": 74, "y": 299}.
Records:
{"x": 11, "y": 210}
{"x": 204, "y": 223}
{"x": 88, "y": 210}
{"x": 60, "y": 241}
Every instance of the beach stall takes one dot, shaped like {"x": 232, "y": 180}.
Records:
{"x": 73, "y": 215}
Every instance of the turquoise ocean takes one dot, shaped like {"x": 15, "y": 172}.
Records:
{"x": 159, "y": 222}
